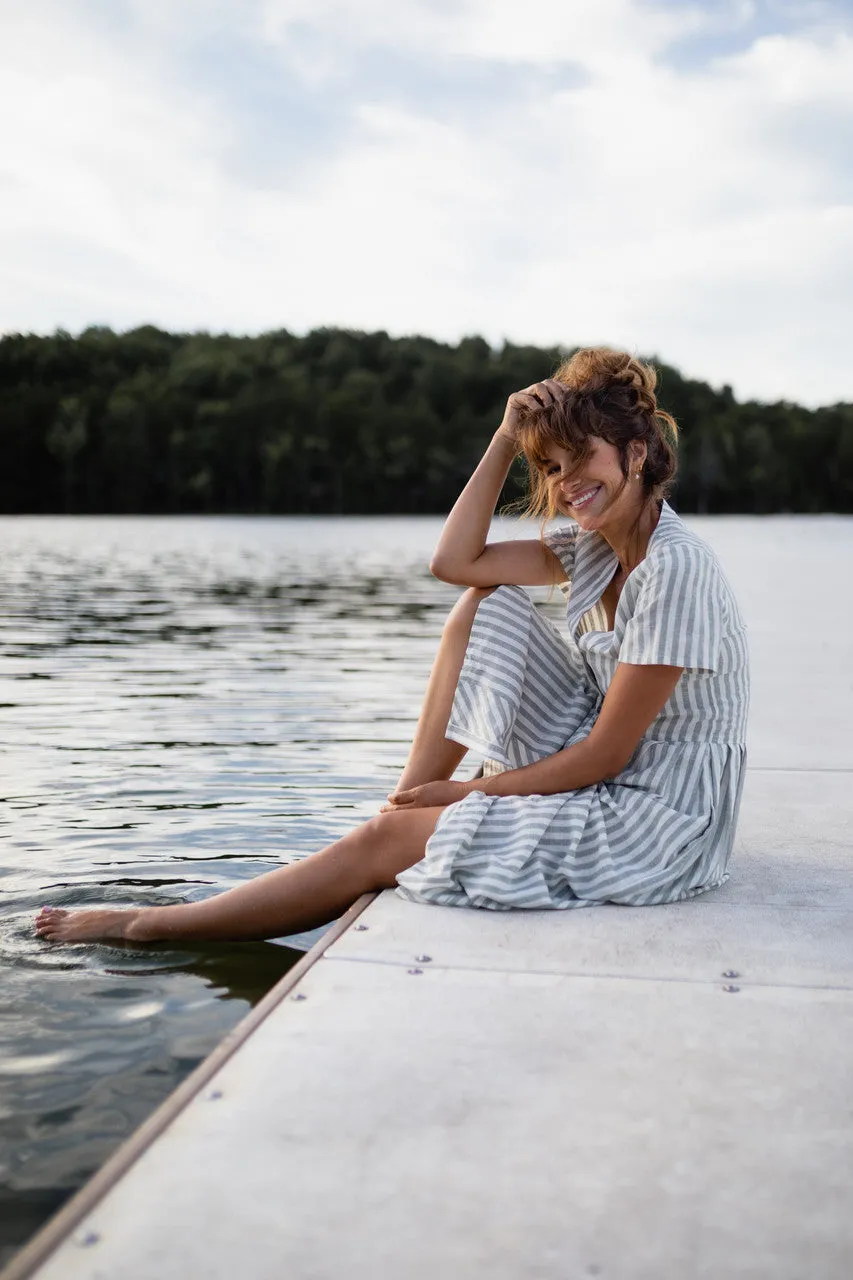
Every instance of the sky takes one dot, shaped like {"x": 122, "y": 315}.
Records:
{"x": 671, "y": 177}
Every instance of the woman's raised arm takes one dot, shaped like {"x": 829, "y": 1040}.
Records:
{"x": 462, "y": 555}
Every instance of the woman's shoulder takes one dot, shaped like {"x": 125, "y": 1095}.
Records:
{"x": 680, "y": 564}
{"x": 674, "y": 544}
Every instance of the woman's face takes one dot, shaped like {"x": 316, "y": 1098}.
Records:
{"x": 588, "y": 495}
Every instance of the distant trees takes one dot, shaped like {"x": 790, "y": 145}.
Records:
{"x": 344, "y": 422}
{"x": 65, "y": 437}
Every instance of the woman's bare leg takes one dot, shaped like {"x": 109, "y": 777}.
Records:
{"x": 319, "y": 888}
{"x": 302, "y": 895}
{"x": 434, "y": 757}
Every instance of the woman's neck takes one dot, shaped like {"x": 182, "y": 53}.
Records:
{"x": 629, "y": 536}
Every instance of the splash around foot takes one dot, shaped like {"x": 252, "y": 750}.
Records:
{"x": 55, "y": 925}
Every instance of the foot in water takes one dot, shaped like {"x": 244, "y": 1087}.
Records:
{"x": 56, "y": 925}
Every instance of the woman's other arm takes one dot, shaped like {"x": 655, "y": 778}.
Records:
{"x": 636, "y": 696}
{"x": 462, "y": 556}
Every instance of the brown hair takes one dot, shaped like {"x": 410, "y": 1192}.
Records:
{"x": 609, "y": 394}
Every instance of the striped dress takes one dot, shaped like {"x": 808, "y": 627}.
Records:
{"x": 662, "y": 829}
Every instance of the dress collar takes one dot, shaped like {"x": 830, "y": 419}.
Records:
{"x": 595, "y": 565}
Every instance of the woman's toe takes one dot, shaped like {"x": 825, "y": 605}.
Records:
{"x": 47, "y": 921}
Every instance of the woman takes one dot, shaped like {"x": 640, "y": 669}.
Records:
{"x": 614, "y": 756}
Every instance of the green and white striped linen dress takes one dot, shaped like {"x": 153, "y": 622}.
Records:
{"x": 663, "y": 828}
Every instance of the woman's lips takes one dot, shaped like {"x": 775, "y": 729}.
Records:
{"x": 583, "y": 498}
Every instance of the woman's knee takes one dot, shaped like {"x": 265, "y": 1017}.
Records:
{"x": 391, "y": 842}
{"x": 377, "y": 844}
{"x": 461, "y": 616}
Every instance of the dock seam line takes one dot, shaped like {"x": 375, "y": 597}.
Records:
{"x": 746, "y": 983}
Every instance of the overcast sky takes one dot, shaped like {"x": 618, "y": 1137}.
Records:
{"x": 671, "y": 177}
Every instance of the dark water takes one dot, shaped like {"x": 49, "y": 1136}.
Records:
{"x": 183, "y": 704}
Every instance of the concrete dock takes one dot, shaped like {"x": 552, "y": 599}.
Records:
{"x": 619, "y": 1092}
{"x": 658, "y": 1093}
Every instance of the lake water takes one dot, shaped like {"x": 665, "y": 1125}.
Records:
{"x": 185, "y": 703}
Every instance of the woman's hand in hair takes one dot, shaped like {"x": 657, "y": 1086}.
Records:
{"x": 522, "y": 403}
{"x": 429, "y": 796}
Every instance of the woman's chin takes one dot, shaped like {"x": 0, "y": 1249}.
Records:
{"x": 589, "y": 521}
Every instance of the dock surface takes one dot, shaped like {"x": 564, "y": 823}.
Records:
{"x": 618, "y": 1092}
{"x": 655, "y": 1093}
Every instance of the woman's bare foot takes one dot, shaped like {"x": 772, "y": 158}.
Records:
{"x": 56, "y": 925}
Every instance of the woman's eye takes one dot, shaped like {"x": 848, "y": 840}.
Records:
{"x": 552, "y": 471}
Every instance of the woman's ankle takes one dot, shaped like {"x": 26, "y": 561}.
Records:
{"x": 139, "y": 926}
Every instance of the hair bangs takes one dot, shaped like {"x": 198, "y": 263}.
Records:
{"x": 553, "y": 424}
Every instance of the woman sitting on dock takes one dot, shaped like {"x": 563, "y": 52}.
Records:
{"x": 614, "y": 753}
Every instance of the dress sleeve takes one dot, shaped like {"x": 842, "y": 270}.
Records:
{"x": 678, "y": 616}
{"x": 562, "y": 543}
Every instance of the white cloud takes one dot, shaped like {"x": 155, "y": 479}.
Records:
{"x": 540, "y": 32}
{"x": 696, "y": 213}
{"x": 104, "y": 155}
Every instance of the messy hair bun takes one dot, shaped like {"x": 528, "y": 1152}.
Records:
{"x": 609, "y": 394}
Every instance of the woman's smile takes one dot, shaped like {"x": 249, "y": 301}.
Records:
{"x": 583, "y": 498}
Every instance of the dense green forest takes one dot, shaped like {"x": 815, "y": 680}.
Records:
{"x": 345, "y": 422}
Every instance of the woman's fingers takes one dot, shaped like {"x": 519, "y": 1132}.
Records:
{"x": 397, "y": 796}
{"x": 539, "y": 395}
{"x": 518, "y": 401}
{"x": 409, "y": 799}
{"x": 546, "y": 391}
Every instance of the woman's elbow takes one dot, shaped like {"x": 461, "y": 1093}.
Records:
{"x": 446, "y": 571}
{"x": 437, "y": 568}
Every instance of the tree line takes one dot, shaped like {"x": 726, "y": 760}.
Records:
{"x": 343, "y": 422}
